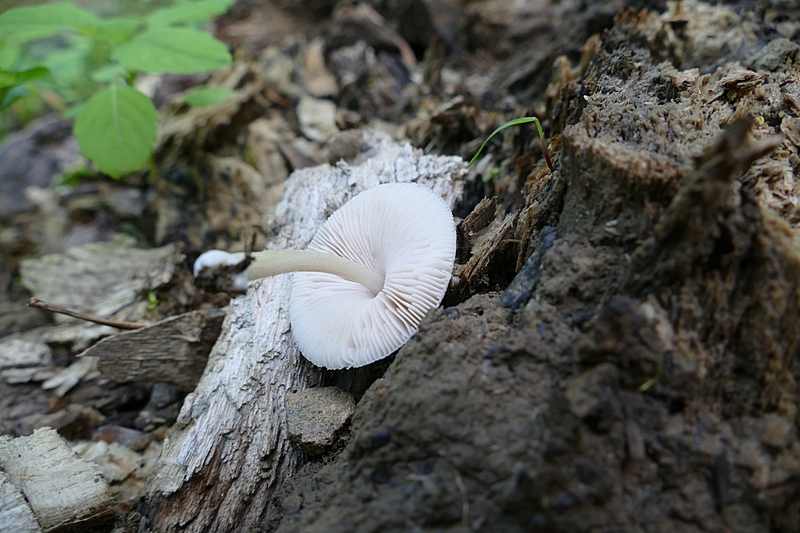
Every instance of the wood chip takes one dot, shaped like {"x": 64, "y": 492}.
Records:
{"x": 15, "y": 515}
{"x": 65, "y": 492}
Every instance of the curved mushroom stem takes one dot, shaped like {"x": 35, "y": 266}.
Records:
{"x": 273, "y": 262}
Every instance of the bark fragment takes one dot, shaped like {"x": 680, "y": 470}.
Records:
{"x": 174, "y": 350}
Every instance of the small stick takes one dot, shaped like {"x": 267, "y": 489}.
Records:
{"x": 276, "y": 98}
{"x": 38, "y": 304}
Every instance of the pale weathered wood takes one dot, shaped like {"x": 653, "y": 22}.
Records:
{"x": 106, "y": 280}
{"x": 15, "y": 515}
{"x": 229, "y": 449}
{"x": 65, "y": 492}
{"x": 174, "y": 350}
{"x": 102, "y": 279}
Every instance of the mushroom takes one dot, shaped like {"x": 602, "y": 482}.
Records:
{"x": 368, "y": 277}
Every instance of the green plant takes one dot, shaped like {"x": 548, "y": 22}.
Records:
{"x": 93, "y": 63}
{"x": 515, "y": 122}
{"x": 493, "y": 172}
{"x": 12, "y": 83}
{"x": 73, "y": 177}
{"x": 652, "y": 381}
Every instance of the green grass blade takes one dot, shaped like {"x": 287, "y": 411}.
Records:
{"x": 652, "y": 381}
{"x": 515, "y": 122}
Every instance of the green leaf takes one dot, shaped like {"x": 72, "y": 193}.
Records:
{"x": 493, "y": 172}
{"x": 11, "y": 84}
{"x": 109, "y": 73}
{"x": 188, "y": 12}
{"x": 73, "y": 177}
{"x": 68, "y": 65}
{"x": 9, "y": 95}
{"x": 10, "y": 78}
{"x": 173, "y": 50}
{"x": 26, "y": 36}
{"x": 208, "y": 96}
{"x": 48, "y": 18}
{"x": 116, "y": 129}
{"x": 118, "y": 29}
{"x": 652, "y": 381}
{"x": 9, "y": 54}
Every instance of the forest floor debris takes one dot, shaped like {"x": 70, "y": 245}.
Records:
{"x": 656, "y": 253}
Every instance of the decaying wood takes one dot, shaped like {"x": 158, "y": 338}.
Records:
{"x": 124, "y": 468}
{"x": 488, "y": 249}
{"x": 469, "y": 228}
{"x": 64, "y": 492}
{"x": 174, "y": 350}
{"x": 493, "y": 243}
{"x": 199, "y": 126}
{"x": 101, "y": 279}
{"x": 15, "y": 515}
{"x": 67, "y": 378}
{"x": 229, "y": 450}
{"x": 684, "y": 231}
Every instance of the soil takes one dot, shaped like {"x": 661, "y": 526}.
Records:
{"x": 622, "y": 351}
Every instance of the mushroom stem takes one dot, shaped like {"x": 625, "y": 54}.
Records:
{"x": 273, "y": 262}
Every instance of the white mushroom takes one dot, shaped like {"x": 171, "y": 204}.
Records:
{"x": 373, "y": 270}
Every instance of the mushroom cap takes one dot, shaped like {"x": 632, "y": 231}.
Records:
{"x": 403, "y": 231}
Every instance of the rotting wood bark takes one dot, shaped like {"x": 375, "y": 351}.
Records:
{"x": 174, "y": 350}
{"x": 102, "y": 279}
{"x": 229, "y": 450}
{"x": 690, "y": 225}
